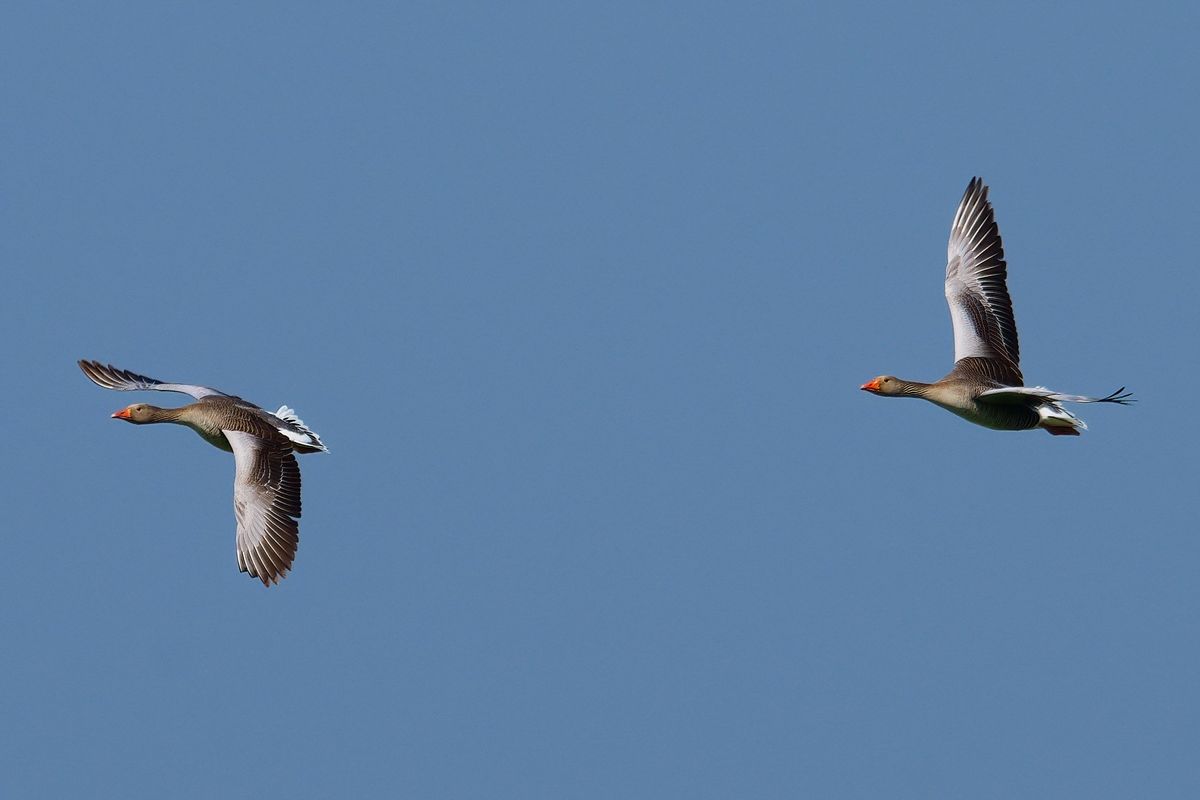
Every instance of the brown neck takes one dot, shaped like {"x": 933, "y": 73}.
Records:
{"x": 912, "y": 388}
{"x": 165, "y": 415}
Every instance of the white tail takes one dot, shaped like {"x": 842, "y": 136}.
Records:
{"x": 1058, "y": 421}
{"x": 297, "y": 431}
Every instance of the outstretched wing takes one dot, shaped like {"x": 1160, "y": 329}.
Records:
{"x": 266, "y": 501}
{"x": 1011, "y": 394}
{"x": 122, "y": 380}
{"x": 976, "y": 285}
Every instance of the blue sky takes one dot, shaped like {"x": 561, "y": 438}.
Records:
{"x": 580, "y": 296}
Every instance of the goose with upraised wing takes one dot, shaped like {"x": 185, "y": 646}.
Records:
{"x": 986, "y": 386}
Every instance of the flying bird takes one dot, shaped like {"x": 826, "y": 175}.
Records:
{"x": 986, "y": 386}
{"x": 266, "y": 483}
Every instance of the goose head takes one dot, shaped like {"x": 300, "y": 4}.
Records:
{"x": 138, "y": 413}
{"x": 885, "y": 385}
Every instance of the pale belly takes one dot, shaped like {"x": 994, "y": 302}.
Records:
{"x": 215, "y": 438}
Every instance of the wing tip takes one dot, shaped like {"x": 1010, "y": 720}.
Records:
{"x": 975, "y": 194}
{"x": 97, "y": 372}
{"x": 1120, "y": 396}
{"x": 268, "y": 577}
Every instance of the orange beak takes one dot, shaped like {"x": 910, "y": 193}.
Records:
{"x": 122, "y": 414}
{"x": 871, "y": 385}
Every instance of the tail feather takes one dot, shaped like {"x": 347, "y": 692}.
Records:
{"x": 306, "y": 439}
{"x": 1057, "y": 421}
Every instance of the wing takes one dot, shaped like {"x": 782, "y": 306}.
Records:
{"x": 266, "y": 501}
{"x": 122, "y": 380}
{"x": 1013, "y": 394}
{"x": 976, "y": 288}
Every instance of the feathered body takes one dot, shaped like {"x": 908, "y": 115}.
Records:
{"x": 267, "y": 480}
{"x": 986, "y": 386}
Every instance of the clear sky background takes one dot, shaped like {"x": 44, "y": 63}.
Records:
{"x": 580, "y": 296}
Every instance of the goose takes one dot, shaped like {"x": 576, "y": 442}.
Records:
{"x": 266, "y": 484}
{"x": 986, "y": 387}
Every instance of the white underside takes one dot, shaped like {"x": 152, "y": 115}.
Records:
{"x": 1055, "y": 416}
